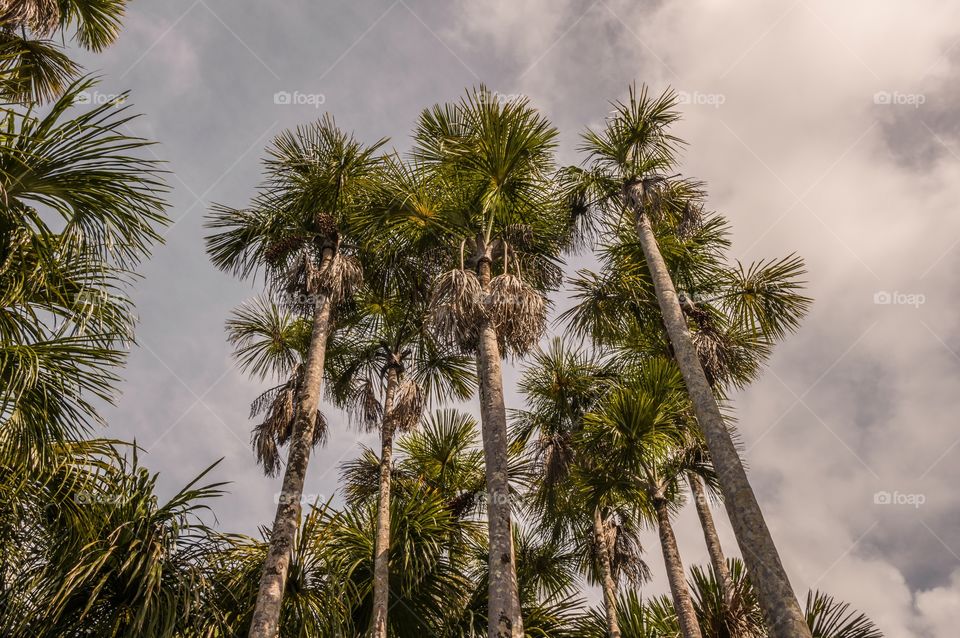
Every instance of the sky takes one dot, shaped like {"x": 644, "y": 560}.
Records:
{"x": 822, "y": 128}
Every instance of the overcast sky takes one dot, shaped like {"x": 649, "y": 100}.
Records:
{"x": 824, "y": 128}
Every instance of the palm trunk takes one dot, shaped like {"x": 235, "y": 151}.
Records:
{"x": 689, "y": 627}
{"x": 606, "y": 575}
{"x": 777, "y": 600}
{"x": 273, "y": 578}
{"x": 381, "y": 562}
{"x": 717, "y": 559}
{"x": 504, "y": 619}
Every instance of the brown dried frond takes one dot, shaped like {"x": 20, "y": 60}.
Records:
{"x": 518, "y": 312}
{"x": 341, "y": 277}
{"x": 555, "y": 455}
{"x": 320, "y": 429}
{"x": 407, "y": 407}
{"x": 40, "y": 16}
{"x": 456, "y": 309}
{"x": 265, "y": 446}
{"x": 691, "y": 220}
{"x": 366, "y": 409}
{"x": 626, "y": 554}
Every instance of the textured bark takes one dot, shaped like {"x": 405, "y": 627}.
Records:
{"x": 381, "y": 562}
{"x": 689, "y": 627}
{"x": 717, "y": 559}
{"x": 273, "y": 578}
{"x": 779, "y": 604}
{"x": 504, "y": 620}
{"x": 606, "y": 575}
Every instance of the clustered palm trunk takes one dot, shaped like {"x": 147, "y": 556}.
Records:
{"x": 779, "y": 604}
{"x": 682, "y": 602}
{"x": 717, "y": 560}
{"x": 266, "y": 615}
{"x": 504, "y": 599}
{"x": 381, "y": 563}
{"x": 609, "y": 585}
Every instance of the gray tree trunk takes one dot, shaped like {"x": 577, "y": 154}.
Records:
{"x": 689, "y": 627}
{"x": 381, "y": 563}
{"x": 781, "y": 610}
{"x": 504, "y": 619}
{"x": 717, "y": 559}
{"x": 606, "y": 575}
{"x": 273, "y": 578}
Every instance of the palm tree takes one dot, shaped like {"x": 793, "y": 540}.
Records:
{"x": 79, "y": 210}
{"x": 32, "y": 66}
{"x": 386, "y": 366}
{"x": 635, "y": 431}
{"x": 629, "y": 161}
{"x": 298, "y": 231}
{"x": 568, "y": 497}
{"x": 105, "y": 557}
{"x": 479, "y": 197}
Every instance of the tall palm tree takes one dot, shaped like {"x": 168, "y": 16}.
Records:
{"x": 479, "y": 196}
{"x": 630, "y": 159}
{"x": 297, "y": 230}
{"x": 567, "y": 496}
{"x": 635, "y": 430}
{"x": 387, "y": 366}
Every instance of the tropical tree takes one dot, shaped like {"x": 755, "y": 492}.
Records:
{"x": 297, "y": 231}
{"x": 638, "y": 434}
{"x": 104, "y": 557}
{"x": 655, "y": 617}
{"x": 479, "y": 196}
{"x": 385, "y": 366}
{"x": 33, "y": 67}
{"x": 629, "y": 161}
{"x": 566, "y": 496}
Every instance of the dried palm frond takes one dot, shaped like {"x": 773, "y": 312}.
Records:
{"x": 691, "y": 219}
{"x": 265, "y": 446}
{"x": 320, "y": 429}
{"x": 407, "y": 407}
{"x": 341, "y": 277}
{"x": 456, "y": 309}
{"x": 518, "y": 312}
{"x": 40, "y": 16}
{"x": 554, "y": 455}
{"x": 366, "y": 408}
{"x": 626, "y": 556}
